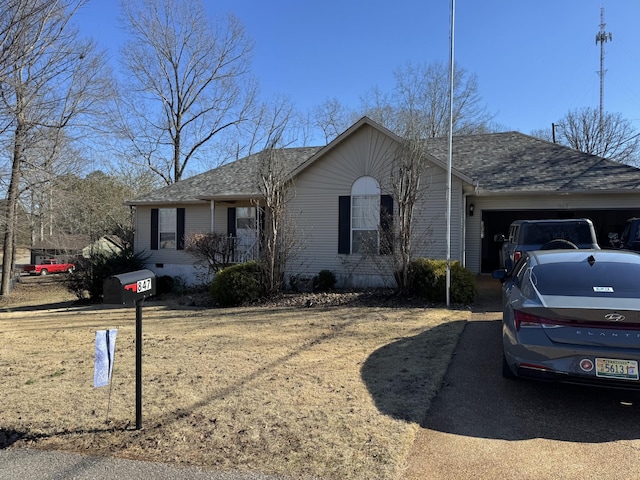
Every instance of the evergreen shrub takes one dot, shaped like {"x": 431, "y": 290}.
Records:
{"x": 427, "y": 278}
{"x": 326, "y": 280}
{"x": 238, "y": 284}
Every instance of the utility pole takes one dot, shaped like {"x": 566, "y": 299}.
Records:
{"x": 602, "y": 37}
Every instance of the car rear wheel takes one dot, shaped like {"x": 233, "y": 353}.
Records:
{"x": 70, "y": 270}
{"x": 44, "y": 272}
{"x": 506, "y": 371}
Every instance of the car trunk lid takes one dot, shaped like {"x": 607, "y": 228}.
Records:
{"x": 589, "y": 321}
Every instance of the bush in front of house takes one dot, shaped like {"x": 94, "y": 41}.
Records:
{"x": 325, "y": 281}
{"x": 164, "y": 284}
{"x": 90, "y": 273}
{"x": 427, "y": 278}
{"x": 238, "y": 284}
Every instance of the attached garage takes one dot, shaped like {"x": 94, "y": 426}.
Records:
{"x": 606, "y": 222}
{"x": 516, "y": 176}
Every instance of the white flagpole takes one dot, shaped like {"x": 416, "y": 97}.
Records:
{"x": 451, "y": 38}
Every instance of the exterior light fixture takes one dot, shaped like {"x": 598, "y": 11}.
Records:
{"x": 471, "y": 209}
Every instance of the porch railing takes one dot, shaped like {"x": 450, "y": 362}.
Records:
{"x": 244, "y": 249}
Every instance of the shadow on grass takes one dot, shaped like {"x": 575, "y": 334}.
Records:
{"x": 46, "y": 306}
{"x": 402, "y": 377}
{"x": 9, "y": 437}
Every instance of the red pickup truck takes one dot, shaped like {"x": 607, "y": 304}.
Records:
{"x": 49, "y": 266}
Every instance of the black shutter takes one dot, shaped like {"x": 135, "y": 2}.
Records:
{"x": 344, "y": 224}
{"x": 231, "y": 221}
{"x": 386, "y": 224}
{"x": 154, "y": 229}
{"x": 180, "y": 229}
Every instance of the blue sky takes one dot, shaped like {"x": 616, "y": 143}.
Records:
{"x": 535, "y": 60}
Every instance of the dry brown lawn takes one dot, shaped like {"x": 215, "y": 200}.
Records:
{"x": 330, "y": 392}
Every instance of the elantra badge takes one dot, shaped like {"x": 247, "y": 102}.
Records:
{"x": 614, "y": 317}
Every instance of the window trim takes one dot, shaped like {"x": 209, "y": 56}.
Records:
{"x": 385, "y": 221}
{"x": 179, "y": 230}
{"x": 167, "y": 223}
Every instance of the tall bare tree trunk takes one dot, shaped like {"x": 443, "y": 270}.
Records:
{"x": 8, "y": 262}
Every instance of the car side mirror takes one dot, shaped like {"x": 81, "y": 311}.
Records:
{"x": 500, "y": 238}
{"x": 501, "y": 275}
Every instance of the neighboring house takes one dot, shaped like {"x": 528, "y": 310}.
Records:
{"x": 61, "y": 246}
{"x": 341, "y": 192}
{"x": 70, "y": 247}
{"x": 107, "y": 245}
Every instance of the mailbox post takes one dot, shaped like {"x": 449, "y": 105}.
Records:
{"x": 131, "y": 289}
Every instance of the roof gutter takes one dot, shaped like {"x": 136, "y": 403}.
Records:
{"x": 479, "y": 192}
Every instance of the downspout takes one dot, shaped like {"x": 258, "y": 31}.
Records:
{"x": 465, "y": 209}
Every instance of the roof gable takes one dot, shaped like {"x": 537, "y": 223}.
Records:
{"x": 367, "y": 122}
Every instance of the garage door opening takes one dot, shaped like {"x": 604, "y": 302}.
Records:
{"x": 605, "y": 222}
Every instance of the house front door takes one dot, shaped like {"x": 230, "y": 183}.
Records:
{"x": 247, "y": 233}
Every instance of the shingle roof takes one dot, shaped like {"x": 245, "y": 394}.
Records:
{"x": 233, "y": 180}
{"x": 514, "y": 162}
{"x": 497, "y": 162}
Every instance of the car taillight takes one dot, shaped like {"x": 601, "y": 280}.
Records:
{"x": 516, "y": 256}
{"x": 522, "y": 319}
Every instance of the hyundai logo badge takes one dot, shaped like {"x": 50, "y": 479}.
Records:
{"x": 614, "y": 317}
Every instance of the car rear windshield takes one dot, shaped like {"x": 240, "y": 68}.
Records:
{"x": 607, "y": 279}
{"x": 539, "y": 234}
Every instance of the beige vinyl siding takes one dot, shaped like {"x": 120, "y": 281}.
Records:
{"x": 431, "y": 218}
{"x": 315, "y": 210}
{"x": 314, "y": 206}
{"x": 197, "y": 219}
{"x": 220, "y": 218}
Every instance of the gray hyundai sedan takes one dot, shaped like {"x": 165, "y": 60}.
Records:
{"x": 573, "y": 316}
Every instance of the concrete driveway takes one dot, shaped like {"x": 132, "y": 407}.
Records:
{"x": 482, "y": 426}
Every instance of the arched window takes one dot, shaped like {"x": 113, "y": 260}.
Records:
{"x": 365, "y": 215}
{"x": 365, "y": 219}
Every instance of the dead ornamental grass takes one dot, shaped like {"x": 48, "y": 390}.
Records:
{"x": 336, "y": 393}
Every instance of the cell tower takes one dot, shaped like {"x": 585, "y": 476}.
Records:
{"x": 602, "y": 37}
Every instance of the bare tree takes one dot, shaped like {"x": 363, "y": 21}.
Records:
{"x": 50, "y": 81}
{"x": 214, "y": 250}
{"x": 407, "y": 186}
{"x": 274, "y": 183}
{"x": 416, "y": 110}
{"x": 609, "y": 136}
{"x": 17, "y": 18}
{"x": 272, "y": 116}
{"x": 188, "y": 83}
{"x": 49, "y": 156}
{"x": 94, "y": 204}
{"x": 420, "y": 102}
{"x": 543, "y": 133}
{"x": 332, "y": 118}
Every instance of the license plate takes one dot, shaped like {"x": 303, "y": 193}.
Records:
{"x": 613, "y": 368}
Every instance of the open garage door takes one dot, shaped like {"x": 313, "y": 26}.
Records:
{"x": 605, "y": 222}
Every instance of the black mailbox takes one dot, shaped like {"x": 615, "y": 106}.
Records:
{"x": 128, "y": 288}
